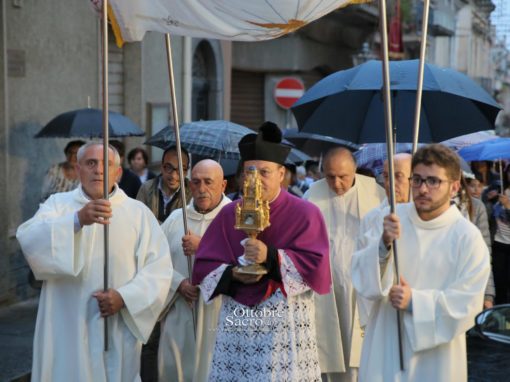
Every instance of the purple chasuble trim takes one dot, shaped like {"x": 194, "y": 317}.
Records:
{"x": 297, "y": 227}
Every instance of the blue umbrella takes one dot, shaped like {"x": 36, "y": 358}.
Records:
{"x": 458, "y": 143}
{"x": 495, "y": 149}
{"x": 349, "y": 105}
{"x": 88, "y": 123}
{"x": 373, "y": 155}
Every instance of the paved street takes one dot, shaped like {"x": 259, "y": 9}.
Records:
{"x": 17, "y": 323}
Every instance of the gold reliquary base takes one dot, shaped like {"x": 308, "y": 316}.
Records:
{"x": 252, "y": 269}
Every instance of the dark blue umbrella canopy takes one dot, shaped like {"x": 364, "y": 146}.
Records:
{"x": 315, "y": 144}
{"x": 349, "y": 104}
{"x": 88, "y": 123}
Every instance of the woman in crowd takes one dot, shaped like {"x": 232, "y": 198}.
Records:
{"x": 484, "y": 169}
{"x": 62, "y": 177}
{"x": 473, "y": 209}
{"x": 138, "y": 160}
{"x": 475, "y": 185}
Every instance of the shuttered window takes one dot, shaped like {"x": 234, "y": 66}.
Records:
{"x": 247, "y": 98}
{"x": 115, "y": 76}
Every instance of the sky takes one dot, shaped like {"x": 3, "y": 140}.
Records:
{"x": 500, "y": 18}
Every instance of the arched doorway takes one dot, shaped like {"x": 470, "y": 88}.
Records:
{"x": 207, "y": 83}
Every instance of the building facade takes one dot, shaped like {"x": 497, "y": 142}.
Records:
{"x": 50, "y": 56}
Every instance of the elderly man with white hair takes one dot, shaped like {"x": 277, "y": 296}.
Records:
{"x": 63, "y": 244}
{"x": 402, "y": 170}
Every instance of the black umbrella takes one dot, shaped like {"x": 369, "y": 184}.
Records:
{"x": 88, "y": 123}
{"x": 349, "y": 105}
{"x": 315, "y": 144}
{"x": 296, "y": 156}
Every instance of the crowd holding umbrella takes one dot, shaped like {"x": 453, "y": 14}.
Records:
{"x": 372, "y": 155}
{"x": 495, "y": 149}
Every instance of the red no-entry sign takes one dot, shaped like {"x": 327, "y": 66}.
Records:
{"x": 287, "y": 91}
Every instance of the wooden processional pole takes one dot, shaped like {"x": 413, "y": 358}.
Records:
{"x": 179, "y": 158}
{"x": 389, "y": 147}
{"x": 104, "y": 29}
{"x": 421, "y": 67}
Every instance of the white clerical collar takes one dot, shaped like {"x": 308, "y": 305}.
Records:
{"x": 112, "y": 194}
{"x": 351, "y": 190}
{"x": 346, "y": 194}
{"x": 443, "y": 220}
{"x": 194, "y": 209}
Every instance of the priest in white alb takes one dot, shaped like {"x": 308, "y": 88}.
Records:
{"x": 444, "y": 266}
{"x": 344, "y": 198}
{"x": 63, "y": 244}
{"x": 181, "y": 356}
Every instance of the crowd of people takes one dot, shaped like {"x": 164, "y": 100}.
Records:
{"x": 325, "y": 310}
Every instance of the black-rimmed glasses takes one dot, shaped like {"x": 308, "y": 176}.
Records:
{"x": 168, "y": 168}
{"x": 431, "y": 182}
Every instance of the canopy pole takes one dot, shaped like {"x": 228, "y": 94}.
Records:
{"x": 389, "y": 148}
{"x": 179, "y": 158}
{"x": 104, "y": 25}
{"x": 421, "y": 67}
{"x": 501, "y": 177}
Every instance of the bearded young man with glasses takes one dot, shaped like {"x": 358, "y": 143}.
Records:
{"x": 162, "y": 194}
{"x": 444, "y": 267}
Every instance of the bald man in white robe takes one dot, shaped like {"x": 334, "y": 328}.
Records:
{"x": 181, "y": 356}
{"x": 344, "y": 198}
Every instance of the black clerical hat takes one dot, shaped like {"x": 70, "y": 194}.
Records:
{"x": 266, "y": 145}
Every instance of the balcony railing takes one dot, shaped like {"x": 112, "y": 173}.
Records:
{"x": 441, "y": 21}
